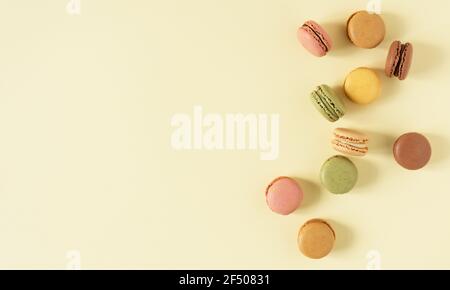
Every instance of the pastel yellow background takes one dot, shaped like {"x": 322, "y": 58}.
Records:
{"x": 86, "y": 162}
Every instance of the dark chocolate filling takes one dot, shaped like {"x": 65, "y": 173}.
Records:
{"x": 319, "y": 36}
{"x": 401, "y": 61}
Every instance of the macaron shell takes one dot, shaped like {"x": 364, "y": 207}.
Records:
{"x": 412, "y": 151}
{"x": 350, "y": 142}
{"x": 405, "y": 61}
{"x": 284, "y": 195}
{"x": 399, "y": 60}
{"x": 328, "y": 103}
{"x": 348, "y": 149}
{"x": 366, "y": 30}
{"x": 393, "y": 58}
{"x": 322, "y": 107}
{"x": 338, "y": 174}
{"x": 351, "y": 135}
{"x": 362, "y": 86}
{"x": 316, "y": 239}
{"x": 311, "y": 42}
{"x": 319, "y": 30}
{"x": 314, "y": 38}
{"x": 332, "y": 99}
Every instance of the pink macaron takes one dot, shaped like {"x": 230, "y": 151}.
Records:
{"x": 284, "y": 195}
{"x": 314, "y": 38}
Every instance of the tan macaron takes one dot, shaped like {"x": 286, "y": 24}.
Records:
{"x": 350, "y": 142}
{"x": 316, "y": 239}
{"x": 366, "y": 30}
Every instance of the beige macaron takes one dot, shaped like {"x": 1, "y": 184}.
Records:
{"x": 350, "y": 142}
{"x": 366, "y": 30}
{"x": 316, "y": 239}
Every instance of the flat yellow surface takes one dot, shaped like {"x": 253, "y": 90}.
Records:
{"x": 87, "y": 169}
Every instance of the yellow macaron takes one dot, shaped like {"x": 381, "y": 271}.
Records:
{"x": 362, "y": 86}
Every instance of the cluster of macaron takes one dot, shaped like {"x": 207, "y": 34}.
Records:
{"x": 362, "y": 86}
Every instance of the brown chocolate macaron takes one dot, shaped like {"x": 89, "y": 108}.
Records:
{"x": 412, "y": 151}
{"x": 316, "y": 239}
{"x": 399, "y": 59}
{"x": 366, "y": 30}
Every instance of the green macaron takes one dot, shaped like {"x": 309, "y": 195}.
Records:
{"x": 328, "y": 103}
{"x": 338, "y": 174}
